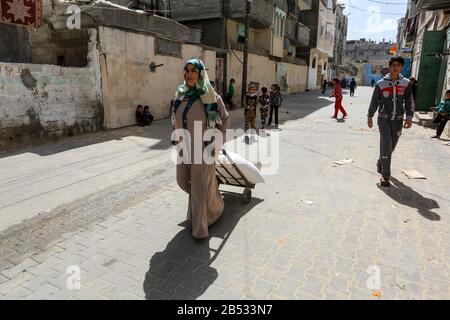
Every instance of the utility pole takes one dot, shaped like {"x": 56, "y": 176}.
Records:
{"x": 245, "y": 66}
{"x": 225, "y": 46}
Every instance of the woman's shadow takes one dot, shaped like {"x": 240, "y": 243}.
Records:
{"x": 183, "y": 270}
{"x": 408, "y": 197}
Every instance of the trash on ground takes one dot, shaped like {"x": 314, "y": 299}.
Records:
{"x": 377, "y": 293}
{"x": 413, "y": 174}
{"x": 307, "y": 201}
{"x": 345, "y": 161}
{"x": 446, "y": 143}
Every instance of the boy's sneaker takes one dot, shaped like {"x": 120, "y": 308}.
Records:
{"x": 385, "y": 182}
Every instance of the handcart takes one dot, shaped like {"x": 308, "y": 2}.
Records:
{"x": 227, "y": 177}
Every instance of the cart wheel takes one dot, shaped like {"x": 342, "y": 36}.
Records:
{"x": 247, "y": 195}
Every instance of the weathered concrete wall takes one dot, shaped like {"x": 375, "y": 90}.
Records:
{"x": 296, "y": 78}
{"x": 263, "y": 71}
{"x": 45, "y": 100}
{"x": 127, "y": 80}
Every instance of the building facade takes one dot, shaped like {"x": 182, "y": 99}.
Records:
{"x": 321, "y": 20}
{"x": 274, "y": 35}
{"x": 340, "y": 39}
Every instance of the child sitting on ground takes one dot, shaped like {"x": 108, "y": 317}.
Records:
{"x": 148, "y": 117}
{"x": 140, "y": 121}
{"x": 443, "y": 115}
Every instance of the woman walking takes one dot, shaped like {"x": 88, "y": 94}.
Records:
{"x": 197, "y": 102}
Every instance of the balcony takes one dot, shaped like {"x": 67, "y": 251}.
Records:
{"x": 291, "y": 27}
{"x": 305, "y": 4}
{"x": 239, "y": 46}
{"x": 261, "y": 14}
{"x": 303, "y": 34}
{"x": 433, "y": 4}
{"x": 296, "y": 32}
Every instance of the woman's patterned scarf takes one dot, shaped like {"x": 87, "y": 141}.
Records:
{"x": 202, "y": 89}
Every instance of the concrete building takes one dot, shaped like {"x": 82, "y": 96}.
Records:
{"x": 400, "y": 27}
{"x": 75, "y": 81}
{"x": 340, "y": 39}
{"x": 368, "y": 51}
{"x": 321, "y": 20}
{"x": 274, "y": 35}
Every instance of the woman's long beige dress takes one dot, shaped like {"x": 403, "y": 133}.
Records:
{"x": 199, "y": 180}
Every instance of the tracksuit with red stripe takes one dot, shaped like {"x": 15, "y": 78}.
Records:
{"x": 393, "y": 99}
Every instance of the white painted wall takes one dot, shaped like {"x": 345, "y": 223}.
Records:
{"x": 128, "y": 82}
{"x": 63, "y": 99}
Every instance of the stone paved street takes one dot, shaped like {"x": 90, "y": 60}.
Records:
{"x": 108, "y": 204}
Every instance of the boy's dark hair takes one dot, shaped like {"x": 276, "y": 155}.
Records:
{"x": 264, "y": 90}
{"x": 232, "y": 80}
{"x": 398, "y": 59}
{"x": 146, "y": 108}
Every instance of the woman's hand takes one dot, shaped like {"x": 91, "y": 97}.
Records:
{"x": 369, "y": 122}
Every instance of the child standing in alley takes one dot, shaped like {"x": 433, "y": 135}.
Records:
{"x": 264, "y": 102}
{"x": 250, "y": 103}
{"x": 275, "y": 103}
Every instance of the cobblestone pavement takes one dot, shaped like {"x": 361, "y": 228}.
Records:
{"x": 105, "y": 207}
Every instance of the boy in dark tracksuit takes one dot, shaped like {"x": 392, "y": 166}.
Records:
{"x": 275, "y": 103}
{"x": 392, "y": 97}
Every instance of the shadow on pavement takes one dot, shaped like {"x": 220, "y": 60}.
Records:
{"x": 183, "y": 270}
{"x": 405, "y": 195}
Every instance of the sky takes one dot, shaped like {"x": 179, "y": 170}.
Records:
{"x": 373, "y": 19}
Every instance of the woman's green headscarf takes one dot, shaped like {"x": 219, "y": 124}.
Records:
{"x": 202, "y": 89}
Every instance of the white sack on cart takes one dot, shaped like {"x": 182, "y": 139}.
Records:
{"x": 248, "y": 169}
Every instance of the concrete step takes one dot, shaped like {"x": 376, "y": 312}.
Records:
{"x": 425, "y": 119}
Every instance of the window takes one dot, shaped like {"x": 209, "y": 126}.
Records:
{"x": 314, "y": 63}
{"x": 280, "y": 18}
